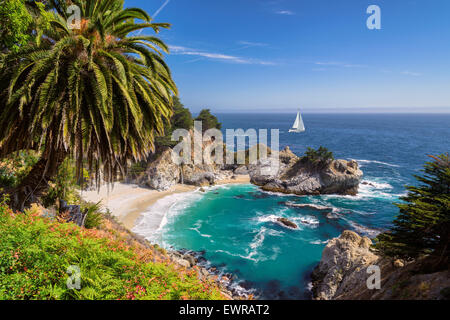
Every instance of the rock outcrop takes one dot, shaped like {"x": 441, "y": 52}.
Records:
{"x": 162, "y": 173}
{"x": 297, "y": 177}
{"x": 343, "y": 272}
{"x": 309, "y": 206}
{"x": 343, "y": 265}
{"x": 287, "y": 223}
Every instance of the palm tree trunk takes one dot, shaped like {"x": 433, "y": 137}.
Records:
{"x": 36, "y": 183}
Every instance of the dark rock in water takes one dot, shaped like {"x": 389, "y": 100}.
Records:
{"x": 213, "y": 270}
{"x": 306, "y": 222}
{"x": 201, "y": 260}
{"x": 239, "y": 196}
{"x": 216, "y": 192}
{"x": 247, "y": 285}
{"x": 229, "y": 276}
{"x": 272, "y": 290}
{"x": 72, "y": 213}
{"x": 287, "y": 223}
{"x": 259, "y": 195}
{"x": 295, "y": 293}
{"x": 308, "y": 206}
{"x": 202, "y": 190}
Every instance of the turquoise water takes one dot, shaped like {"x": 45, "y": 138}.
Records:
{"x": 235, "y": 225}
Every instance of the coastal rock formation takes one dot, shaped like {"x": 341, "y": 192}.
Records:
{"x": 342, "y": 274}
{"x": 203, "y": 175}
{"x": 297, "y": 177}
{"x": 343, "y": 265}
{"x": 162, "y": 173}
{"x": 285, "y": 222}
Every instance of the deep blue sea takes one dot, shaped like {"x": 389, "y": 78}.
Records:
{"x": 235, "y": 225}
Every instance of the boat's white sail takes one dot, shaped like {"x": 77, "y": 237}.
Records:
{"x": 298, "y": 126}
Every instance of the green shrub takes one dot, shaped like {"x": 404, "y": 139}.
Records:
{"x": 94, "y": 216}
{"x": 318, "y": 158}
{"x": 181, "y": 119}
{"x": 15, "y": 167}
{"x": 35, "y": 254}
{"x": 65, "y": 185}
{"x": 208, "y": 120}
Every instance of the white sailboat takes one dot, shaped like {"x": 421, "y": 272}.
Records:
{"x": 298, "y": 126}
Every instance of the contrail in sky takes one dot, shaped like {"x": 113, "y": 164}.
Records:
{"x": 161, "y": 8}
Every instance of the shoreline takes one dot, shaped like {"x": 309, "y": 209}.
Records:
{"x": 127, "y": 202}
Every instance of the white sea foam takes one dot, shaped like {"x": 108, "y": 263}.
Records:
{"x": 248, "y": 257}
{"x": 258, "y": 239}
{"x": 308, "y": 221}
{"x": 275, "y": 233}
{"x": 372, "y": 233}
{"x": 257, "y": 242}
{"x": 267, "y": 218}
{"x": 372, "y": 189}
{"x": 376, "y": 190}
{"x": 197, "y": 227}
{"x": 153, "y": 220}
{"x": 279, "y": 194}
{"x": 377, "y": 185}
{"x": 363, "y": 162}
{"x": 319, "y": 242}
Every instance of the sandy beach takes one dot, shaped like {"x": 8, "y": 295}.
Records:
{"x": 128, "y": 201}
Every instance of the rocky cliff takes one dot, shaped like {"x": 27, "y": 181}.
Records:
{"x": 342, "y": 274}
{"x": 297, "y": 177}
{"x": 162, "y": 173}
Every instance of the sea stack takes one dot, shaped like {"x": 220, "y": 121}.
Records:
{"x": 296, "y": 176}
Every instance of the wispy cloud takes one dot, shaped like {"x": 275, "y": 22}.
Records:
{"x": 410, "y": 73}
{"x": 285, "y": 12}
{"x": 249, "y": 44}
{"x": 340, "y": 64}
{"x": 161, "y": 8}
{"x": 216, "y": 56}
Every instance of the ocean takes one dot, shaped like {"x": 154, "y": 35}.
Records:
{"x": 235, "y": 225}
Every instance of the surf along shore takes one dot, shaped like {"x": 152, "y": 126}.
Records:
{"x": 127, "y": 202}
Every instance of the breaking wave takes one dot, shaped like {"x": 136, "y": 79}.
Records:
{"x": 364, "y": 162}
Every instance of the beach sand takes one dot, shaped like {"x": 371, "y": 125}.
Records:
{"x": 128, "y": 201}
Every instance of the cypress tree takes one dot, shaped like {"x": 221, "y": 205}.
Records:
{"x": 423, "y": 225}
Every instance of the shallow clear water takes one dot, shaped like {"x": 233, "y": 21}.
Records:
{"x": 236, "y": 225}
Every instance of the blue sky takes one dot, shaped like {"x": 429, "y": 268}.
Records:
{"x": 278, "y": 55}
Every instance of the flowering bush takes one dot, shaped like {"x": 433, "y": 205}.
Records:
{"x": 36, "y": 252}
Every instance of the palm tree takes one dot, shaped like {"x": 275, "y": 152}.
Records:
{"x": 97, "y": 94}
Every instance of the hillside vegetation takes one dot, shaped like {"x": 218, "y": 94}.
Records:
{"x": 36, "y": 251}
